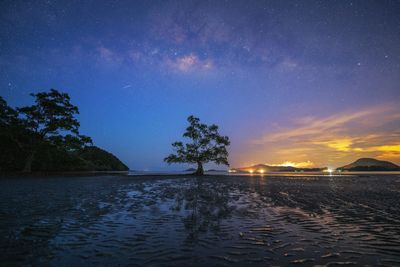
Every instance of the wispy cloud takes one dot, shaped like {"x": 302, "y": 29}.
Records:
{"x": 336, "y": 139}
{"x": 161, "y": 59}
{"x": 201, "y": 25}
{"x": 106, "y": 55}
{"x": 317, "y": 126}
{"x": 186, "y": 36}
{"x": 127, "y": 86}
{"x": 188, "y": 63}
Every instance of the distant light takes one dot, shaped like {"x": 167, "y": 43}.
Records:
{"x": 251, "y": 171}
{"x": 261, "y": 171}
{"x": 231, "y": 170}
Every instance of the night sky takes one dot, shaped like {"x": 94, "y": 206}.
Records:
{"x": 315, "y": 83}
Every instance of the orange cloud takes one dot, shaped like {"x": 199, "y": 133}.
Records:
{"x": 333, "y": 140}
{"x": 342, "y": 144}
{"x": 311, "y": 126}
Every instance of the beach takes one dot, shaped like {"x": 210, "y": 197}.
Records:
{"x": 214, "y": 220}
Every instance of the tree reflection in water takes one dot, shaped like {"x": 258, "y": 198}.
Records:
{"x": 206, "y": 203}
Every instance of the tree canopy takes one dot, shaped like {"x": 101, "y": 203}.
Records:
{"x": 46, "y": 134}
{"x": 51, "y": 119}
{"x": 206, "y": 145}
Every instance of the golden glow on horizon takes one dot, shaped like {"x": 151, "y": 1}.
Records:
{"x": 349, "y": 144}
{"x": 304, "y": 164}
{"x": 334, "y": 140}
{"x": 387, "y": 148}
{"x": 261, "y": 171}
{"x": 251, "y": 171}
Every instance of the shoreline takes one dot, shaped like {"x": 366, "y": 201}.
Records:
{"x": 149, "y": 175}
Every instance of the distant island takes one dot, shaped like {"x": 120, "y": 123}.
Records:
{"x": 369, "y": 164}
{"x": 362, "y": 164}
{"x": 261, "y": 168}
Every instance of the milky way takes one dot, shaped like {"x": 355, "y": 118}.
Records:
{"x": 302, "y": 81}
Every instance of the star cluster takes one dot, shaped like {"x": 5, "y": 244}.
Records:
{"x": 322, "y": 75}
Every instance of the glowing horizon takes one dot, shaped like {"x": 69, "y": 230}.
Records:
{"x": 305, "y": 84}
{"x": 333, "y": 140}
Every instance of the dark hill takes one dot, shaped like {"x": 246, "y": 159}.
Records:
{"x": 370, "y": 164}
{"x": 101, "y": 160}
{"x": 52, "y": 159}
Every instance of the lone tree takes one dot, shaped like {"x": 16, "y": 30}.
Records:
{"x": 50, "y": 120}
{"x": 206, "y": 145}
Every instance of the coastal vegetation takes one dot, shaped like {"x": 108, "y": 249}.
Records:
{"x": 206, "y": 145}
{"x": 45, "y": 137}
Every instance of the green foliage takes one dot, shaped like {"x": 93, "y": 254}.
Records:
{"x": 11, "y": 138}
{"x": 51, "y": 114}
{"x": 50, "y": 158}
{"x": 45, "y": 137}
{"x": 8, "y": 115}
{"x": 101, "y": 160}
{"x": 206, "y": 145}
{"x": 11, "y": 126}
{"x": 89, "y": 158}
{"x": 11, "y": 156}
{"x": 51, "y": 120}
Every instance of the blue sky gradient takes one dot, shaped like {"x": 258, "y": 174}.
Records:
{"x": 324, "y": 74}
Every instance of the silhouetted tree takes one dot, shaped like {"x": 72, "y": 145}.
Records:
{"x": 45, "y": 137}
{"x": 6, "y": 113}
{"x": 51, "y": 120}
{"x": 207, "y": 145}
{"x": 12, "y": 137}
{"x": 9, "y": 121}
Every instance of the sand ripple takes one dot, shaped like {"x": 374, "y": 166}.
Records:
{"x": 216, "y": 221}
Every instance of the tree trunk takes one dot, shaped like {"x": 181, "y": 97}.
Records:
{"x": 199, "y": 170}
{"x": 28, "y": 162}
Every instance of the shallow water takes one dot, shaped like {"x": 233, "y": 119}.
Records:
{"x": 212, "y": 221}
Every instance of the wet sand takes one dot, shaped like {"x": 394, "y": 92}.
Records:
{"x": 189, "y": 221}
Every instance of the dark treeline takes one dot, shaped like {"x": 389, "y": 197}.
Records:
{"x": 45, "y": 137}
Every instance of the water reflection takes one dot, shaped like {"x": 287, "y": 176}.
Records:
{"x": 235, "y": 221}
{"x": 207, "y": 203}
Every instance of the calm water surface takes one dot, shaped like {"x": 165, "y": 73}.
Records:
{"x": 212, "y": 221}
